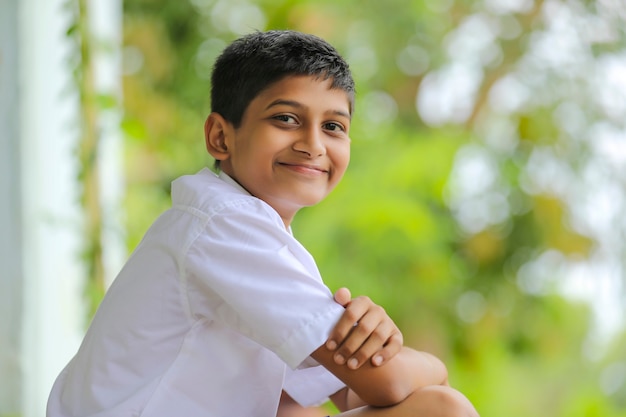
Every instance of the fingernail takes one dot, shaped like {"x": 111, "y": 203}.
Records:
{"x": 377, "y": 360}
{"x": 331, "y": 345}
{"x": 340, "y": 359}
{"x": 353, "y": 363}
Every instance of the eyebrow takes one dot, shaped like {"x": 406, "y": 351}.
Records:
{"x": 298, "y": 105}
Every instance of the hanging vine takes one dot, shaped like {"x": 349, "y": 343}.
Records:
{"x": 88, "y": 155}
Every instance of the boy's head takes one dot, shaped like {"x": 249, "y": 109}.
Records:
{"x": 282, "y": 105}
{"x": 254, "y": 62}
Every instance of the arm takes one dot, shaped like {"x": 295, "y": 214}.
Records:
{"x": 389, "y": 384}
{"x": 364, "y": 332}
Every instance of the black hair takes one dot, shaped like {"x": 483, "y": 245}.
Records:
{"x": 254, "y": 62}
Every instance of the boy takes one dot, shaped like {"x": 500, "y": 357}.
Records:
{"x": 220, "y": 311}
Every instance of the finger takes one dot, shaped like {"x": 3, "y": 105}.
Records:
{"x": 343, "y": 296}
{"x": 354, "y": 312}
{"x": 365, "y": 352}
{"x": 391, "y": 349}
{"x": 367, "y": 337}
{"x": 378, "y": 345}
{"x": 373, "y": 345}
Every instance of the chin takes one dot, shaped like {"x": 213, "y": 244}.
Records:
{"x": 308, "y": 201}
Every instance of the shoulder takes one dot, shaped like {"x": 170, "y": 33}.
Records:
{"x": 209, "y": 192}
{"x": 207, "y": 195}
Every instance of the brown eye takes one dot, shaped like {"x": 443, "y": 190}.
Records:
{"x": 334, "y": 127}
{"x": 285, "y": 118}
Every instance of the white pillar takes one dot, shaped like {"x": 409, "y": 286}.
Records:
{"x": 10, "y": 219}
{"x": 53, "y": 271}
{"x": 53, "y": 315}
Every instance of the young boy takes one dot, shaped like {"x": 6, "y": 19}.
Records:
{"x": 220, "y": 311}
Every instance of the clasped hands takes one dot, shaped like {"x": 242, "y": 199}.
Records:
{"x": 364, "y": 332}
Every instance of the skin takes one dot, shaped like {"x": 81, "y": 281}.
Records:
{"x": 291, "y": 150}
{"x": 376, "y": 338}
{"x": 364, "y": 332}
{"x": 292, "y": 147}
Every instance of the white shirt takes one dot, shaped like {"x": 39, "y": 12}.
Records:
{"x": 216, "y": 311}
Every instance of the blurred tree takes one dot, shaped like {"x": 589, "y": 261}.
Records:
{"x": 477, "y": 140}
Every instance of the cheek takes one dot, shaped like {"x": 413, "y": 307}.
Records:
{"x": 340, "y": 158}
{"x": 341, "y": 155}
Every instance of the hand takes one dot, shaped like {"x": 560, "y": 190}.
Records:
{"x": 363, "y": 332}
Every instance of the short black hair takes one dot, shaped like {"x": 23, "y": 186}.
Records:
{"x": 253, "y": 62}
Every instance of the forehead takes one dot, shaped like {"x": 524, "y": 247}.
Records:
{"x": 310, "y": 91}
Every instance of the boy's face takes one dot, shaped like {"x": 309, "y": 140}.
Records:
{"x": 292, "y": 147}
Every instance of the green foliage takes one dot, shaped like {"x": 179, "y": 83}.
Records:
{"x": 391, "y": 229}
{"x": 92, "y": 105}
{"x": 385, "y": 229}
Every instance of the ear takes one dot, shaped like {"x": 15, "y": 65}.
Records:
{"x": 216, "y": 130}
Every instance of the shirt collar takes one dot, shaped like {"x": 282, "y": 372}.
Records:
{"x": 227, "y": 179}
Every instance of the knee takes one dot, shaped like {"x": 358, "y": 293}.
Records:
{"x": 442, "y": 401}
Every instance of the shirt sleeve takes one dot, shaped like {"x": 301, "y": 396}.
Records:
{"x": 247, "y": 272}
{"x": 311, "y": 386}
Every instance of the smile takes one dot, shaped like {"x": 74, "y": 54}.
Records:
{"x": 305, "y": 169}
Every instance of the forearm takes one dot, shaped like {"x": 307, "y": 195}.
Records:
{"x": 389, "y": 384}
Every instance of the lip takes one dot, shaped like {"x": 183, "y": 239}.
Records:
{"x": 310, "y": 169}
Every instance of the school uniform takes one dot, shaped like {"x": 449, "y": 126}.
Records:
{"x": 214, "y": 314}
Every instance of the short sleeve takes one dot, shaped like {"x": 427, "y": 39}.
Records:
{"x": 247, "y": 272}
{"x": 311, "y": 386}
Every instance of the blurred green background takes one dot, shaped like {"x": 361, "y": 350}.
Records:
{"x": 482, "y": 204}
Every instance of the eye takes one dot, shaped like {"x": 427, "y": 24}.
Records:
{"x": 285, "y": 118}
{"x": 334, "y": 127}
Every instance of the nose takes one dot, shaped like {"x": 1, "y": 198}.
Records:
{"x": 311, "y": 143}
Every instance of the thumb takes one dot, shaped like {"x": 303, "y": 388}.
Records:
{"x": 343, "y": 296}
